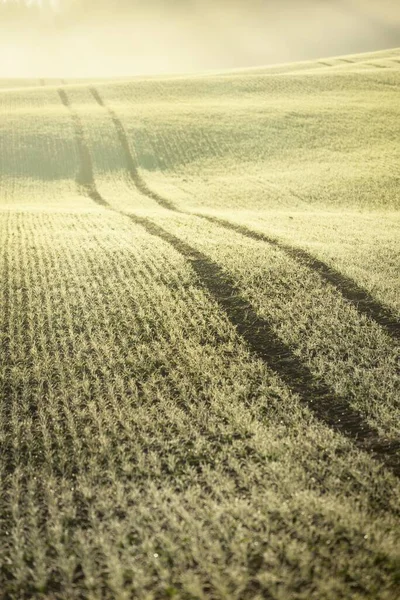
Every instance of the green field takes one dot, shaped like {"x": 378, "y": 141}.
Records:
{"x": 200, "y": 322}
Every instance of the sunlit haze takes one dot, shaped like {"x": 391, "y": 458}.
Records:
{"x": 77, "y": 39}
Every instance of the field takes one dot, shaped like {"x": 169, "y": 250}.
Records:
{"x": 200, "y": 320}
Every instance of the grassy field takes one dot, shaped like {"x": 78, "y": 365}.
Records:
{"x": 200, "y": 321}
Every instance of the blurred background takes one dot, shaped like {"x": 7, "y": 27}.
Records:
{"x": 79, "y": 38}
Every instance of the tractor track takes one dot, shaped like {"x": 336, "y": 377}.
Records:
{"x": 347, "y": 287}
{"x": 327, "y": 407}
{"x": 131, "y": 163}
{"x": 85, "y": 177}
{"x": 265, "y": 344}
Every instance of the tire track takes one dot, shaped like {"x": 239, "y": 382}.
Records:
{"x": 350, "y": 290}
{"x": 85, "y": 177}
{"x": 353, "y": 293}
{"x": 333, "y": 411}
{"x": 265, "y": 344}
{"x": 131, "y": 163}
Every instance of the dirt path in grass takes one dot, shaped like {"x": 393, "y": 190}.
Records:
{"x": 348, "y": 288}
{"x": 258, "y": 334}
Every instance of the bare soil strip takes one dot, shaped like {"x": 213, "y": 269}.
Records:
{"x": 261, "y": 339}
{"x": 348, "y": 288}
{"x": 85, "y": 178}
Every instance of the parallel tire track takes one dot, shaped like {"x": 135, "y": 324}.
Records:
{"x": 85, "y": 177}
{"x": 347, "y": 287}
{"x": 265, "y": 344}
{"x": 258, "y": 334}
{"x": 131, "y": 163}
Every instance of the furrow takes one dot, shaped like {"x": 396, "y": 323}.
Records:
{"x": 347, "y": 287}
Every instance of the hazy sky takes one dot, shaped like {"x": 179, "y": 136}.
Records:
{"x": 176, "y": 35}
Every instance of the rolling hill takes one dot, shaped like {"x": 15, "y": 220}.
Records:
{"x": 199, "y": 386}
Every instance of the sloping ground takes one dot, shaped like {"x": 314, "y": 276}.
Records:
{"x": 199, "y": 335}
